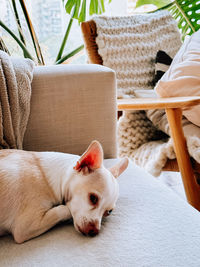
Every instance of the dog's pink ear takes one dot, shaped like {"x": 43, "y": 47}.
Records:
{"x": 92, "y": 158}
{"x": 119, "y": 167}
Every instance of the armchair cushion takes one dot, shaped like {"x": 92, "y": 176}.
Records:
{"x": 71, "y": 105}
{"x": 183, "y": 76}
{"x": 151, "y": 226}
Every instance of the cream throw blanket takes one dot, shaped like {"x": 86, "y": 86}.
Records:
{"x": 129, "y": 46}
{"x": 15, "y": 93}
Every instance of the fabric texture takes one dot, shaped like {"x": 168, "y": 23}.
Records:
{"x": 162, "y": 63}
{"x": 183, "y": 76}
{"x": 150, "y": 226}
{"x": 15, "y": 94}
{"x": 129, "y": 46}
{"x": 181, "y": 79}
{"x": 72, "y": 105}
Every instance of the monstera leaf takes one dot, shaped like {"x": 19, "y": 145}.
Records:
{"x": 187, "y": 13}
{"x": 77, "y": 8}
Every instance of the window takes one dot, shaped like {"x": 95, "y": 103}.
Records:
{"x": 50, "y": 22}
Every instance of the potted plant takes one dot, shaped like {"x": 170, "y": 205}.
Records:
{"x": 77, "y": 9}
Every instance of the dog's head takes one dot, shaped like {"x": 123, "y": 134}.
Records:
{"x": 93, "y": 190}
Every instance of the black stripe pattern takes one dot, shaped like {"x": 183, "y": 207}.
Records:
{"x": 162, "y": 63}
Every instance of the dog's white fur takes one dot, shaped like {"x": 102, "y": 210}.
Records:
{"x": 40, "y": 189}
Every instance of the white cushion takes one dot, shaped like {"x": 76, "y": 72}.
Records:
{"x": 183, "y": 76}
{"x": 151, "y": 226}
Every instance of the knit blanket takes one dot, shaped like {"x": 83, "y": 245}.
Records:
{"x": 129, "y": 46}
{"x": 15, "y": 92}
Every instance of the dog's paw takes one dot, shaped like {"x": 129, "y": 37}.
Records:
{"x": 63, "y": 212}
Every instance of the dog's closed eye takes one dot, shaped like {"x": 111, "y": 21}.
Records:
{"x": 93, "y": 199}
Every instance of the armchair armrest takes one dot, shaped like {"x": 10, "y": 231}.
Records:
{"x": 173, "y": 107}
{"x": 157, "y": 103}
{"x": 71, "y": 105}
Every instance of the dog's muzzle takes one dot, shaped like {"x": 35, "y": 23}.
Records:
{"x": 89, "y": 229}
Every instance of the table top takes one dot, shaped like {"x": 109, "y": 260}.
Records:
{"x": 157, "y": 103}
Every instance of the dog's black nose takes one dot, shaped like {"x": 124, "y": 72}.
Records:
{"x": 93, "y": 232}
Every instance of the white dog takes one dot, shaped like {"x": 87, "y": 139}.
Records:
{"x": 40, "y": 189}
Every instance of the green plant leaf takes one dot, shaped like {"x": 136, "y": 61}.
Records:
{"x": 18, "y": 22}
{"x": 101, "y": 6}
{"x": 77, "y": 10}
{"x": 71, "y": 54}
{"x": 187, "y": 14}
{"x": 82, "y": 14}
{"x": 3, "y": 46}
{"x": 158, "y": 3}
{"x": 25, "y": 50}
{"x": 32, "y": 33}
{"x": 69, "y": 5}
{"x": 64, "y": 41}
{"x": 72, "y": 7}
{"x": 93, "y": 9}
{"x": 97, "y": 7}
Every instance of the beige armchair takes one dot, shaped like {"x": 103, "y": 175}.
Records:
{"x": 188, "y": 167}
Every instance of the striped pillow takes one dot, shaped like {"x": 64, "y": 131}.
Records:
{"x": 162, "y": 63}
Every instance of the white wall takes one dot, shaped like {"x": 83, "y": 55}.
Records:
{"x": 117, "y": 7}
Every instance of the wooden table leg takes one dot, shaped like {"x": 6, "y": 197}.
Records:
{"x": 192, "y": 189}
